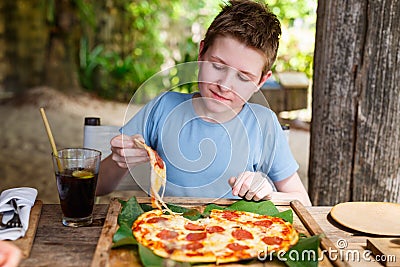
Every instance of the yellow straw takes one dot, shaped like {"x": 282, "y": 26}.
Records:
{"x": 50, "y": 135}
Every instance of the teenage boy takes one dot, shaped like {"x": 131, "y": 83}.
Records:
{"x": 215, "y": 143}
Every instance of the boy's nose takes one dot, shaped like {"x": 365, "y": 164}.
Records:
{"x": 227, "y": 81}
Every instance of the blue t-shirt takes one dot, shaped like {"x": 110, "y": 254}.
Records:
{"x": 201, "y": 156}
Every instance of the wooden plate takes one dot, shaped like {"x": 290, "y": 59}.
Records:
{"x": 378, "y": 218}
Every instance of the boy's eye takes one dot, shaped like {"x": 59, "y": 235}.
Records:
{"x": 218, "y": 66}
{"x": 243, "y": 77}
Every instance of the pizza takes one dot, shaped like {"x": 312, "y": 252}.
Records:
{"x": 224, "y": 236}
{"x": 158, "y": 176}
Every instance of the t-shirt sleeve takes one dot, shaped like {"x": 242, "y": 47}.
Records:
{"x": 283, "y": 163}
{"x": 143, "y": 121}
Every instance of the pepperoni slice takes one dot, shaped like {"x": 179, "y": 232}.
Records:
{"x": 214, "y": 229}
{"x": 156, "y": 220}
{"x": 272, "y": 240}
{"x": 168, "y": 249}
{"x": 264, "y": 223}
{"x": 229, "y": 215}
{"x": 193, "y": 246}
{"x": 194, "y": 254}
{"x": 196, "y": 236}
{"x": 241, "y": 234}
{"x": 167, "y": 234}
{"x": 276, "y": 220}
{"x": 236, "y": 247}
{"x": 194, "y": 227}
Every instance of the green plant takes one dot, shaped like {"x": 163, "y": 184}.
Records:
{"x": 89, "y": 60}
{"x": 148, "y": 36}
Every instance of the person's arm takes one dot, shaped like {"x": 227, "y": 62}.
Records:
{"x": 10, "y": 255}
{"x": 110, "y": 175}
{"x": 113, "y": 168}
{"x": 291, "y": 188}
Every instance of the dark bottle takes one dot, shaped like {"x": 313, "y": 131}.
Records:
{"x": 92, "y": 121}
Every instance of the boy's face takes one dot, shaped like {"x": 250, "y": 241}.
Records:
{"x": 231, "y": 74}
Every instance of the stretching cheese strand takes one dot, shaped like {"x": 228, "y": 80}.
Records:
{"x": 158, "y": 180}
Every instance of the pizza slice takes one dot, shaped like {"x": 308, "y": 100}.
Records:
{"x": 158, "y": 176}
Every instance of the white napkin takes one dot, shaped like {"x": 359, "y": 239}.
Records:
{"x": 25, "y": 197}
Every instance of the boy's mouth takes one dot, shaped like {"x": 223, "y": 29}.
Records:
{"x": 218, "y": 96}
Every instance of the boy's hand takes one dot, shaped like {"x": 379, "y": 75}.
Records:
{"x": 125, "y": 152}
{"x": 251, "y": 185}
{"x": 10, "y": 255}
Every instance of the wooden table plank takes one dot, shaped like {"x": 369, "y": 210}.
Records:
{"x": 350, "y": 245}
{"x": 314, "y": 229}
{"x": 104, "y": 244}
{"x": 58, "y": 245}
{"x": 387, "y": 249}
{"x": 25, "y": 243}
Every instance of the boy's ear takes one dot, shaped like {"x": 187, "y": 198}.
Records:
{"x": 264, "y": 78}
{"x": 200, "y": 50}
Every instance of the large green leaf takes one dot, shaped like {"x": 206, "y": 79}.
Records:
{"x": 148, "y": 258}
{"x": 287, "y": 215}
{"x": 304, "y": 253}
{"x": 265, "y": 207}
{"x": 191, "y": 214}
{"x": 211, "y": 207}
{"x": 123, "y": 236}
{"x": 130, "y": 211}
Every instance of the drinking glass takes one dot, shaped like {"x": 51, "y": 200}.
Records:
{"x": 76, "y": 171}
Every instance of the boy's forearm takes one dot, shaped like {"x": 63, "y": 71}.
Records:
{"x": 110, "y": 175}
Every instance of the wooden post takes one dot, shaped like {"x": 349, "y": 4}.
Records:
{"x": 355, "y": 131}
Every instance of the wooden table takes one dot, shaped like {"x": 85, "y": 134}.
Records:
{"x": 57, "y": 245}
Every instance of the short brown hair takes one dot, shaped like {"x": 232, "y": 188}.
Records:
{"x": 251, "y": 23}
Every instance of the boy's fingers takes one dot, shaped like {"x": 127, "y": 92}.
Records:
{"x": 250, "y": 185}
{"x": 231, "y": 181}
{"x": 121, "y": 141}
{"x": 126, "y": 141}
{"x": 246, "y": 185}
{"x": 137, "y": 137}
{"x": 262, "y": 194}
{"x": 238, "y": 188}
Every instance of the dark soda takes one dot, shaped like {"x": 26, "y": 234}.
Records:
{"x": 76, "y": 194}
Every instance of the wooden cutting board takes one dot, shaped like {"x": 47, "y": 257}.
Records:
{"x": 386, "y": 250}
{"x": 25, "y": 243}
{"x": 105, "y": 256}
